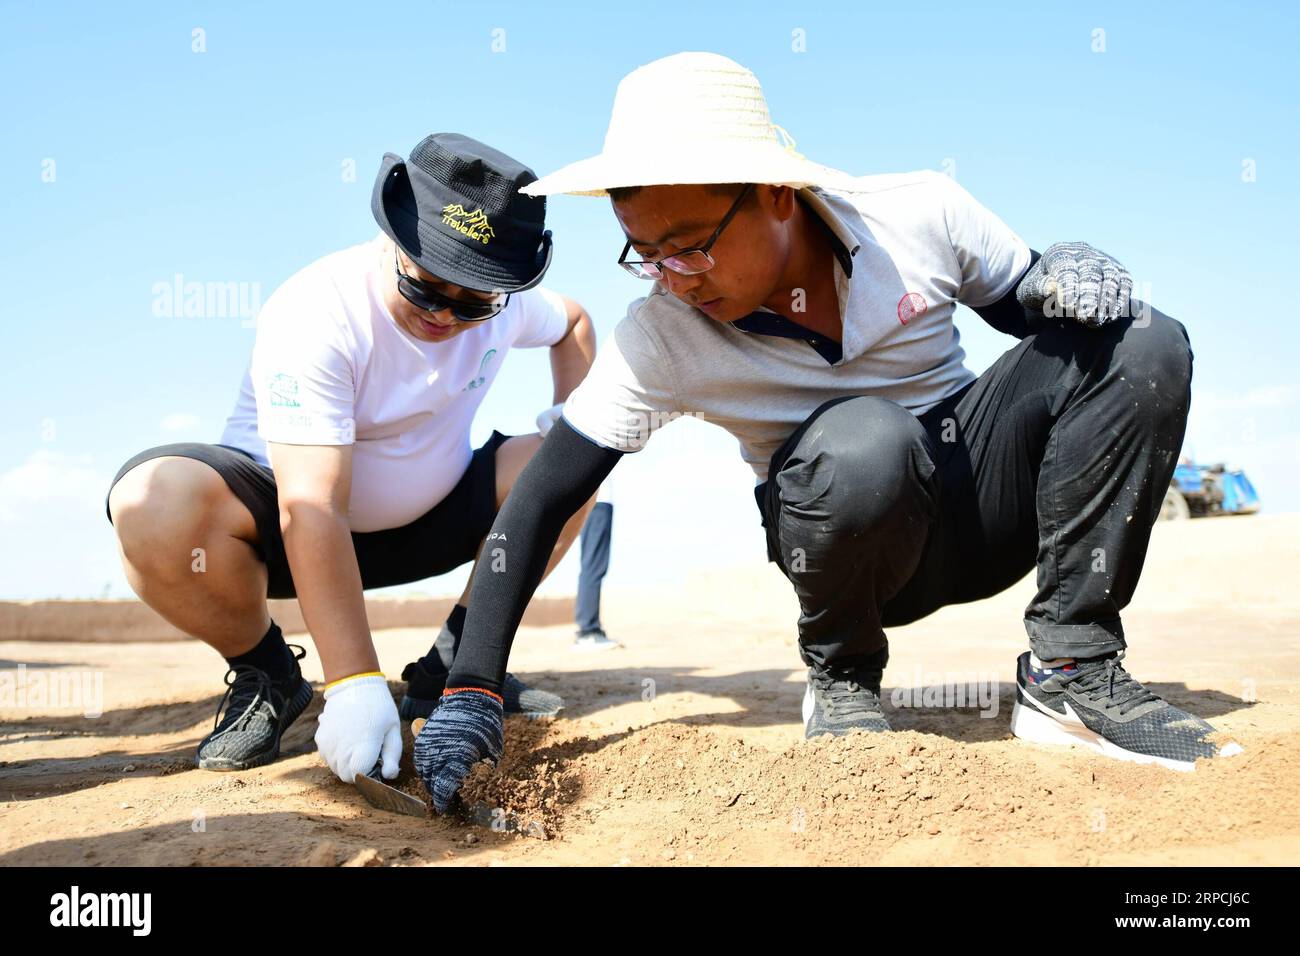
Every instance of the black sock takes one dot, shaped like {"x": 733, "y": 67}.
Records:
{"x": 271, "y": 654}
{"x": 443, "y": 652}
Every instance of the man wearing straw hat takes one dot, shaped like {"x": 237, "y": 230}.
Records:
{"x": 809, "y": 313}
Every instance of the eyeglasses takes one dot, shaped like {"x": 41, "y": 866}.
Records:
{"x": 688, "y": 262}
{"x": 423, "y": 296}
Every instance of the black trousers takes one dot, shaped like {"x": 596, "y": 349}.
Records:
{"x": 594, "y": 548}
{"x": 1058, "y": 457}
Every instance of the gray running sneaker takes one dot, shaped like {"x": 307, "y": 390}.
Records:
{"x": 424, "y": 691}
{"x": 257, "y": 711}
{"x": 529, "y": 701}
{"x": 840, "y": 701}
{"x": 1095, "y": 703}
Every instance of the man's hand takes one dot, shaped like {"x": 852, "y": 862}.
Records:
{"x": 359, "y": 726}
{"x": 467, "y": 726}
{"x": 1087, "y": 285}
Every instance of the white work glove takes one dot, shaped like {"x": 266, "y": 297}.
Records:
{"x": 358, "y": 726}
{"x": 1076, "y": 280}
{"x": 548, "y": 418}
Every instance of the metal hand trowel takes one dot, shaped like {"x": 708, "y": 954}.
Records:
{"x": 383, "y": 797}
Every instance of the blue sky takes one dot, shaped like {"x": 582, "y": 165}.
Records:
{"x": 129, "y": 158}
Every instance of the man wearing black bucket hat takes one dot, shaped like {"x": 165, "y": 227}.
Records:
{"x": 346, "y": 463}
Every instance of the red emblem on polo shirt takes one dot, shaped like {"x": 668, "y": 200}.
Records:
{"x": 910, "y": 306}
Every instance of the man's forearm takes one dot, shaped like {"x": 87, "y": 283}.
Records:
{"x": 1007, "y": 314}
{"x": 318, "y": 544}
{"x": 571, "y": 358}
{"x": 563, "y": 474}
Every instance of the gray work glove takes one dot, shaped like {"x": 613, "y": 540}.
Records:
{"x": 467, "y": 726}
{"x": 1075, "y": 280}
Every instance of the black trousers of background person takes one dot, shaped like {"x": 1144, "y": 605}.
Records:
{"x": 1059, "y": 456}
{"x": 594, "y": 551}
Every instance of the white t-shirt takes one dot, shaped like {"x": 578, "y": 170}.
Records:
{"x": 916, "y": 245}
{"x": 330, "y": 366}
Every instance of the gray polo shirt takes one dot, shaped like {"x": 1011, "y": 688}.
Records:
{"x": 910, "y": 248}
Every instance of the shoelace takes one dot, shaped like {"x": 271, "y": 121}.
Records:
{"x": 1109, "y": 679}
{"x": 842, "y": 691}
{"x": 243, "y": 678}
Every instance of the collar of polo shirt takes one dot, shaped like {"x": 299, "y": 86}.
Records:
{"x": 845, "y": 245}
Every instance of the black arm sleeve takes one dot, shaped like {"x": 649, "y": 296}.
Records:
{"x": 1007, "y": 315}
{"x": 563, "y": 474}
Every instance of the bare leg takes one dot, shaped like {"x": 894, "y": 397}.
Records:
{"x": 163, "y": 510}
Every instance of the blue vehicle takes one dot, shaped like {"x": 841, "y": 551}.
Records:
{"x": 1201, "y": 491}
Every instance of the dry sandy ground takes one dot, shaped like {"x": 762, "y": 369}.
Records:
{"x": 685, "y": 746}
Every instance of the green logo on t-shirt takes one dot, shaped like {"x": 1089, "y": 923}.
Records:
{"x": 284, "y": 391}
{"x": 481, "y": 365}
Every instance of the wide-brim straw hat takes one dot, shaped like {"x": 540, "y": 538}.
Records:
{"x": 689, "y": 118}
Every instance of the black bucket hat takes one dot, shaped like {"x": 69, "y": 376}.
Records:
{"x": 455, "y": 208}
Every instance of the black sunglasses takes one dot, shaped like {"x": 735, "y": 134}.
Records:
{"x": 423, "y": 296}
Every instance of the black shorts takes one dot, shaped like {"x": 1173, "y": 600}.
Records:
{"x": 440, "y": 540}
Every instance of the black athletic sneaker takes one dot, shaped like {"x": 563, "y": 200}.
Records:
{"x": 1096, "y": 703}
{"x": 424, "y": 690}
{"x": 839, "y": 701}
{"x": 258, "y": 710}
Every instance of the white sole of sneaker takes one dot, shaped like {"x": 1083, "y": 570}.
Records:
{"x": 808, "y": 705}
{"x": 1030, "y": 724}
